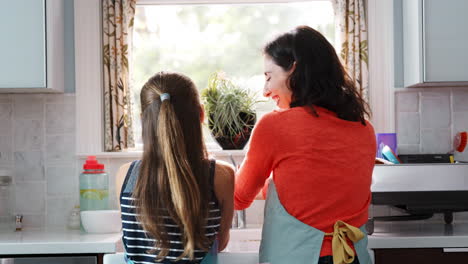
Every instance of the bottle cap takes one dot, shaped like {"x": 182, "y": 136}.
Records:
{"x": 92, "y": 164}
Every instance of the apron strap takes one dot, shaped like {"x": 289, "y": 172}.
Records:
{"x": 342, "y": 252}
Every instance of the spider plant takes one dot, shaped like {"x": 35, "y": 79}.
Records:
{"x": 230, "y": 110}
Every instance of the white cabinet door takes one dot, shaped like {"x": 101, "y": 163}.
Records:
{"x": 31, "y": 46}
{"x": 22, "y": 49}
{"x": 445, "y": 40}
{"x": 435, "y": 42}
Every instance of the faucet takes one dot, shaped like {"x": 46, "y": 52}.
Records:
{"x": 239, "y": 220}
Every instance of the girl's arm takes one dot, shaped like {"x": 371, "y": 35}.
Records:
{"x": 224, "y": 191}
{"x": 119, "y": 179}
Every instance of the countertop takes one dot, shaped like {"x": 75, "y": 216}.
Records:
{"x": 419, "y": 234}
{"x": 409, "y": 234}
{"x": 57, "y": 242}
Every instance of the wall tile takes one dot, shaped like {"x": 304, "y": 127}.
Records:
{"x": 460, "y": 121}
{"x": 6, "y": 119}
{"x": 407, "y": 102}
{"x": 29, "y": 166}
{"x": 28, "y": 106}
{"x": 436, "y": 141}
{"x": 408, "y": 149}
{"x": 460, "y": 100}
{"x": 408, "y": 128}
{"x": 5, "y": 111}
{"x": 60, "y": 149}
{"x": 7, "y": 127}
{"x": 58, "y": 210}
{"x": 30, "y": 197}
{"x": 29, "y": 134}
{"x": 6, "y": 153}
{"x": 33, "y": 221}
{"x": 5, "y": 98}
{"x": 61, "y": 204}
{"x": 62, "y": 181}
{"x": 435, "y": 110}
{"x": 60, "y": 118}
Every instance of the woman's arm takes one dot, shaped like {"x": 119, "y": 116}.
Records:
{"x": 258, "y": 162}
{"x": 224, "y": 191}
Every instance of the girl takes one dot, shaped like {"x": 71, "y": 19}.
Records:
{"x": 175, "y": 202}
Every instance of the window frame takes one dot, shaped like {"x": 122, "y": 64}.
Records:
{"x": 89, "y": 70}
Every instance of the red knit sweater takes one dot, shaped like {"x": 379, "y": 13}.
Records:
{"x": 322, "y": 167}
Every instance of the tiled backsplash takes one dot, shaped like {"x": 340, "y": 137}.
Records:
{"x": 428, "y": 119}
{"x": 37, "y": 144}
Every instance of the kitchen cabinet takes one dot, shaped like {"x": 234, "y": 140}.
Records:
{"x": 435, "y": 43}
{"x": 32, "y": 46}
{"x": 421, "y": 255}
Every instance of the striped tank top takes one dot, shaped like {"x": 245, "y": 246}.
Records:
{"x": 137, "y": 242}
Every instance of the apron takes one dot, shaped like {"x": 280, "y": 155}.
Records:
{"x": 210, "y": 258}
{"x": 285, "y": 239}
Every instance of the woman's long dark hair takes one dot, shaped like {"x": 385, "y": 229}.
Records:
{"x": 319, "y": 78}
{"x": 174, "y": 171}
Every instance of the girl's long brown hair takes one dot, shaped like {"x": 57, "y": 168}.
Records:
{"x": 175, "y": 169}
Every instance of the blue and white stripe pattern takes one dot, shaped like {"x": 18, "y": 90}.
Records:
{"x": 136, "y": 241}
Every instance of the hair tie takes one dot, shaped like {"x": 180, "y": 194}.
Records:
{"x": 165, "y": 96}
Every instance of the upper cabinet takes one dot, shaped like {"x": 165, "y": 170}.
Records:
{"x": 435, "y": 43}
{"x": 32, "y": 46}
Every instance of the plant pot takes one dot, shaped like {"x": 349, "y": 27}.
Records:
{"x": 240, "y": 139}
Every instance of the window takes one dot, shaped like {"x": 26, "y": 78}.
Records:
{"x": 198, "y": 40}
{"x": 88, "y": 74}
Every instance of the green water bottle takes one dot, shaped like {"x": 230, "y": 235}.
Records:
{"x": 94, "y": 186}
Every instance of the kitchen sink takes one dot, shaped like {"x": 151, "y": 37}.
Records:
{"x": 242, "y": 248}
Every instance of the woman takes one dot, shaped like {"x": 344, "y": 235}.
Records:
{"x": 321, "y": 151}
{"x": 175, "y": 201}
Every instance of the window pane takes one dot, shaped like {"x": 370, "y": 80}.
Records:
{"x": 198, "y": 40}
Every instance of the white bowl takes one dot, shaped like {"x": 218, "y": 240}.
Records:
{"x": 101, "y": 221}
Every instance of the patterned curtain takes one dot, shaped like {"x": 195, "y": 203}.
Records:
{"x": 351, "y": 28}
{"x": 117, "y": 26}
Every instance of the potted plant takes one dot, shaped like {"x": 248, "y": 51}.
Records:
{"x": 230, "y": 111}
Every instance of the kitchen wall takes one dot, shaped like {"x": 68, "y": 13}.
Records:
{"x": 428, "y": 119}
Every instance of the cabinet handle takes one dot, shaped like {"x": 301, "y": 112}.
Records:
{"x": 455, "y": 249}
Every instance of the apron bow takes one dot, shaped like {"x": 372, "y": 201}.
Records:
{"x": 342, "y": 252}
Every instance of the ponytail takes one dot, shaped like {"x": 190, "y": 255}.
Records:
{"x": 171, "y": 175}
{"x": 183, "y": 185}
